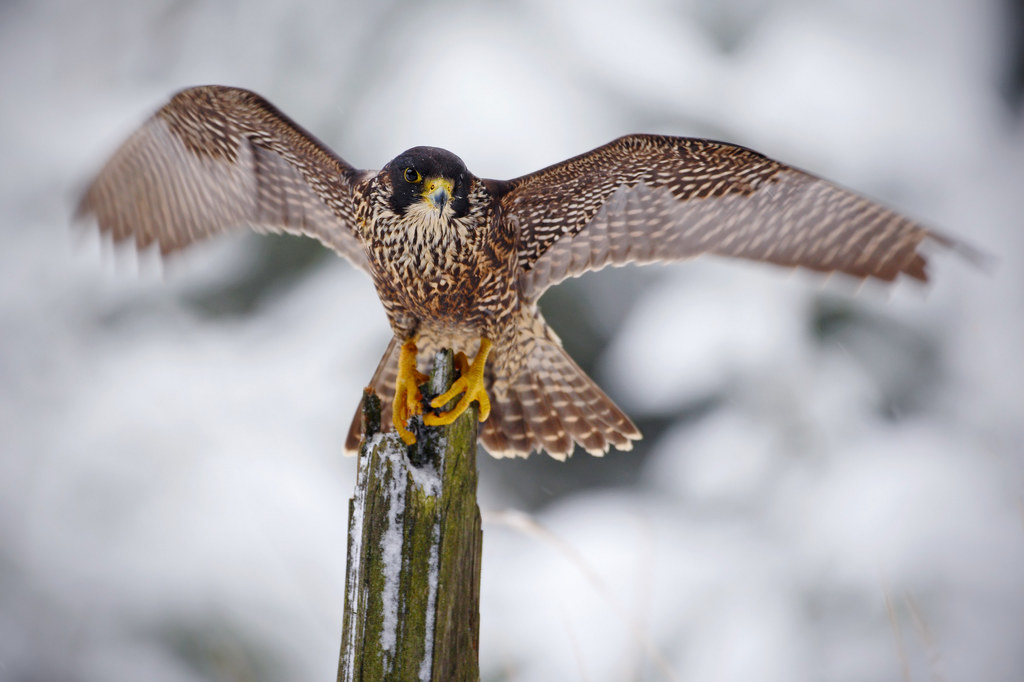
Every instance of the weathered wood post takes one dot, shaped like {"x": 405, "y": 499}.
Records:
{"x": 412, "y": 583}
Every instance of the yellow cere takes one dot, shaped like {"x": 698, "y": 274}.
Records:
{"x": 431, "y": 185}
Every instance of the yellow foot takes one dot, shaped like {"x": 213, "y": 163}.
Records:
{"x": 470, "y": 384}
{"x": 408, "y": 399}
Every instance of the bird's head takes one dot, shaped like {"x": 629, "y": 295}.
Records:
{"x": 430, "y": 182}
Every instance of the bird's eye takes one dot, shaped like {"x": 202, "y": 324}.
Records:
{"x": 412, "y": 175}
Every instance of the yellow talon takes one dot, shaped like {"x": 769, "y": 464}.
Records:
{"x": 461, "y": 364}
{"x": 470, "y": 384}
{"x": 408, "y": 399}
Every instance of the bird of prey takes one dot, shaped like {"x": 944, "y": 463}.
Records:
{"x": 460, "y": 261}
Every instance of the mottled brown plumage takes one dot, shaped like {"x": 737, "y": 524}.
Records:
{"x": 457, "y": 259}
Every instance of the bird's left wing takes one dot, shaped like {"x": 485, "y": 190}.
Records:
{"x": 217, "y": 157}
{"x": 645, "y": 199}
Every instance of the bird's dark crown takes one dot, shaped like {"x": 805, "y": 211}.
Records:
{"x": 427, "y": 162}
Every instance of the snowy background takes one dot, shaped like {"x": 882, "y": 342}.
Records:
{"x": 831, "y": 486}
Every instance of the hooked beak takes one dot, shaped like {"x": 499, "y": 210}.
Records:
{"x": 438, "y": 191}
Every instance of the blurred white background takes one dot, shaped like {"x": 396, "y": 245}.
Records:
{"x": 173, "y": 494}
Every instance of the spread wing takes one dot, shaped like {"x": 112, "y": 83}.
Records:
{"x": 215, "y": 158}
{"x": 645, "y": 199}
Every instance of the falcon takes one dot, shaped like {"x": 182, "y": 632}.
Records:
{"x": 460, "y": 261}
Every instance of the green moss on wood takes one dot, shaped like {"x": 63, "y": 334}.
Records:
{"x": 444, "y": 522}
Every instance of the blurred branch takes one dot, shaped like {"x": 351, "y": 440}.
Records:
{"x": 412, "y": 583}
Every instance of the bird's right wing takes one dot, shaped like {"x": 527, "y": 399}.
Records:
{"x": 214, "y": 158}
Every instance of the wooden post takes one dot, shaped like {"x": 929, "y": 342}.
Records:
{"x": 412, "y": 583}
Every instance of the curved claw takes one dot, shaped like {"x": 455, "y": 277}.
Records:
{"x": 408, "y": 399}
{"x": 470, "y": 385}
{"x": 461, "y": 364}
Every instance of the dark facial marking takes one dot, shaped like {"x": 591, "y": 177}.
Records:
{"x": 409, "y": 169}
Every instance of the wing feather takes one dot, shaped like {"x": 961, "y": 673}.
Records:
{"x": 645, "y": 199}
{"x": 215, "y": 158}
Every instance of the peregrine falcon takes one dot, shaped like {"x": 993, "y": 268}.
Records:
{"x": 460, "y": 261}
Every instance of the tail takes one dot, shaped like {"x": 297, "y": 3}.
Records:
{"x": 547, "y": 405}
{"x": 550, "y": 404}
{"x": 383, "y": 384}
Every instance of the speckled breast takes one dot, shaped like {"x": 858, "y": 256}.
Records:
{"x": 426, "y": 277}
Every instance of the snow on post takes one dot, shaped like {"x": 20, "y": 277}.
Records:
{"x": 412, "y": 584}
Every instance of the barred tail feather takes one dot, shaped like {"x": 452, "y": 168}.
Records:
{"x": 550, "y": 405}
{"x": 383, "y": 384}
{"x": 507, "y": 430}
